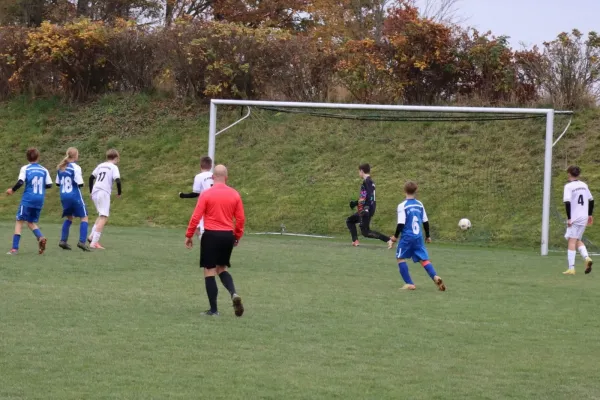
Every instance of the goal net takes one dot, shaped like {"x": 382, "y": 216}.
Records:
{"x": 297, "y": 167}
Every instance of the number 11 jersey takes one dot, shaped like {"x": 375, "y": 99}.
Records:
{"x": 35, "y": 177}
{"x": 105, "y": 174}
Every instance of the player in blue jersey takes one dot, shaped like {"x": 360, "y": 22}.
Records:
{"x": 36, "y": 180}
{"x": 411, "y": 216}
{"x": 69, "y": 179}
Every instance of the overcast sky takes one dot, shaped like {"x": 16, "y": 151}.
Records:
{"x": 531, "y": 21}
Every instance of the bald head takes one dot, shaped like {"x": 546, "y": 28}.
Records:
{"x": 220, "y": 173}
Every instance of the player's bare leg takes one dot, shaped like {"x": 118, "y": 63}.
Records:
{"x": 571, "y": 255}
{"x": 584, "y": 254}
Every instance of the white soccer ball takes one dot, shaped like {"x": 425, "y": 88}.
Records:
{"x": 464, "y": 224}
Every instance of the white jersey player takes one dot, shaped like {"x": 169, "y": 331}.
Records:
{"x": 579, "y": 205}
{"x": 101, "y": 182}
{"x": 202, "y": 182}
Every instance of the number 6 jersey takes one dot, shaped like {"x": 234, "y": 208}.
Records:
{"x": 578, "y": 194}
{"x": 412, "y": 215}
{"x": 69, "y": 182}
{"x": 105, "y": 174}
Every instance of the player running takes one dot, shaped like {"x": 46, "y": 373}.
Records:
{"x": 36, "y": 180}
{"x": 366, "y": 208}
{"x": 411, "y": 215}
{"x": 101, "y": 182}
{"x": 202, "y": 181}
{"x": 69, "y": 179}
{"x": 579, "y": 205}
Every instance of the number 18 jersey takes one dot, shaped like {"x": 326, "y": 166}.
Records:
{"x": 579, "y": 195}
{"x": 105, "y": 174}
{"x": 35, "y": 177}
{"x": 412, "y": 214}
{"x": 69, "y": 181}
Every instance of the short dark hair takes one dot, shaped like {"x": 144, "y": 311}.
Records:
{"x": 206, "y": 162}
{"x": 366, "y": 168}
{"x": 33, "y": 154}
{"x": 574, "y": 171}
{"x": 410, "y": 187}
{"x": 112, "y": 154}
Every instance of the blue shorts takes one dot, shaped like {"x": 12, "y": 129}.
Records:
{"x": 28, "y": 214}
{"x": 73, "y": 208}
{"x": 414, "y": 250}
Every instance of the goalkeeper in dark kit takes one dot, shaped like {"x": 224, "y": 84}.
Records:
{"x": 366, "y": 209}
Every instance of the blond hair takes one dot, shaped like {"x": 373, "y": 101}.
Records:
{"x": 112, "y": 154}
{"x": 71, "y": 155}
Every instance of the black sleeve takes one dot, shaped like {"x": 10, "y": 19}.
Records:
{"x": 591, "y": 207}
{"x": 370, "y": 190}
{"x": 426, "y": 227}
{"x": 399, "y": 228}
{"x": 80, "y": 186}
{"x": 92, "y": 180}
{"x": 49, "y": 186}
{"x": 17, "y": 185}
{"x": 118, "y": 186}
{"x": 568, "y": 209}
{"x": 57, "y": 184}
{"x": 189, "y": 195}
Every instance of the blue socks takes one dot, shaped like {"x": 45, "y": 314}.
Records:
{"x": 403, "y": 267}
{"x": 64, "y": 236}
{"x": 430, "y": 270}
{"x": 83, "y": 228}
{"x": 37, "y": 233}
{"x": 16, "y": 240}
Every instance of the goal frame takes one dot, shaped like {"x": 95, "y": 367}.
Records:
{"x": 547, "y": 112}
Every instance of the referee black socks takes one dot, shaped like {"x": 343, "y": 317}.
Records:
{"x": 212, "y": 291}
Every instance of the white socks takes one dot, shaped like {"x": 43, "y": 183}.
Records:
{"x": 571, "y": 254}
{"x": 96, "y": 237}
{"x": 583, "y": 251}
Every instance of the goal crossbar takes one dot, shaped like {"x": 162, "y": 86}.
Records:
{"x": 549, "y": 142}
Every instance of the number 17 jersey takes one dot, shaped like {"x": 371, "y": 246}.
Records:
{"x": 412, "y": 214}
{"x": 69, "y": 181}
{"x": 105, "y": 174}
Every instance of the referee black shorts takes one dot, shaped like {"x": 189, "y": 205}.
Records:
{"x": 216, "y": 248}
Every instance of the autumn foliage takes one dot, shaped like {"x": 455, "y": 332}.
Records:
{"x": 349, "y": 50}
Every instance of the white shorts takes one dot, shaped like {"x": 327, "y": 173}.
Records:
{"x": 575, "y": 232}
{"x": 101, "y": 200}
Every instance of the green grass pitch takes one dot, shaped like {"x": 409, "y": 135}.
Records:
{"x": 323, "y": 321}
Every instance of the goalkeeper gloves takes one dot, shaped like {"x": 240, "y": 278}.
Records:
{"x": 353, "y": 204}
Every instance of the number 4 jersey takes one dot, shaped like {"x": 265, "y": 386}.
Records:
{"x": 35, "y": 177}
{"x": 412, "y": 214}
{"x": 578, "y": 194}
{"x": 69, "y": 181}
{"x": 105, "y": 174}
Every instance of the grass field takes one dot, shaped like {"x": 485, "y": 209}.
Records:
{"x": 323, "y": 321}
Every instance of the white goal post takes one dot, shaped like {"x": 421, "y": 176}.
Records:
{"x": 549, "y": 144}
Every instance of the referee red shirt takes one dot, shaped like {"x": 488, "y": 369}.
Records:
{"x": 219, "y": 206}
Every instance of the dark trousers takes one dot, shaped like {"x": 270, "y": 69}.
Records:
{"x": 364, "y": 222}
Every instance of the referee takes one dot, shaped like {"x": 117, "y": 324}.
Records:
{"x": 219, "y": 206}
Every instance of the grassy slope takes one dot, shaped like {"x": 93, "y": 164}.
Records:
{"x": 301, "y": 171}
{"x": 109, "y": 326}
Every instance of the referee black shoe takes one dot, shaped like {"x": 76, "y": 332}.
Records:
{"x": 238, "y": 307}
{"x": 209, "y": 313}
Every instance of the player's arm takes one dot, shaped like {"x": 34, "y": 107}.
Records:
{"x": 567, "y": 201}
{"x": 57, "y": 181}
{"x": 401, "y": 222}
{"x": 196, "y": 217}
{"x": 48, "y": 180}
{"x": 118, "y": 181}
{"x": 92, "y": 180}
{"x": 78, "y": 176}
{"x": 426, "y": 226}
{"x": 20, "y": 181}
{"x": 240, "y": 220}
{"x": 362, "y": 197}
{"x": 191, "y": 195}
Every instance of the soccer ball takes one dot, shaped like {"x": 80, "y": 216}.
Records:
{"x": 464, "y": 224}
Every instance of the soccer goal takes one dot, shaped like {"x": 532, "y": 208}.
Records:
{"x": 459, "y": 155}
